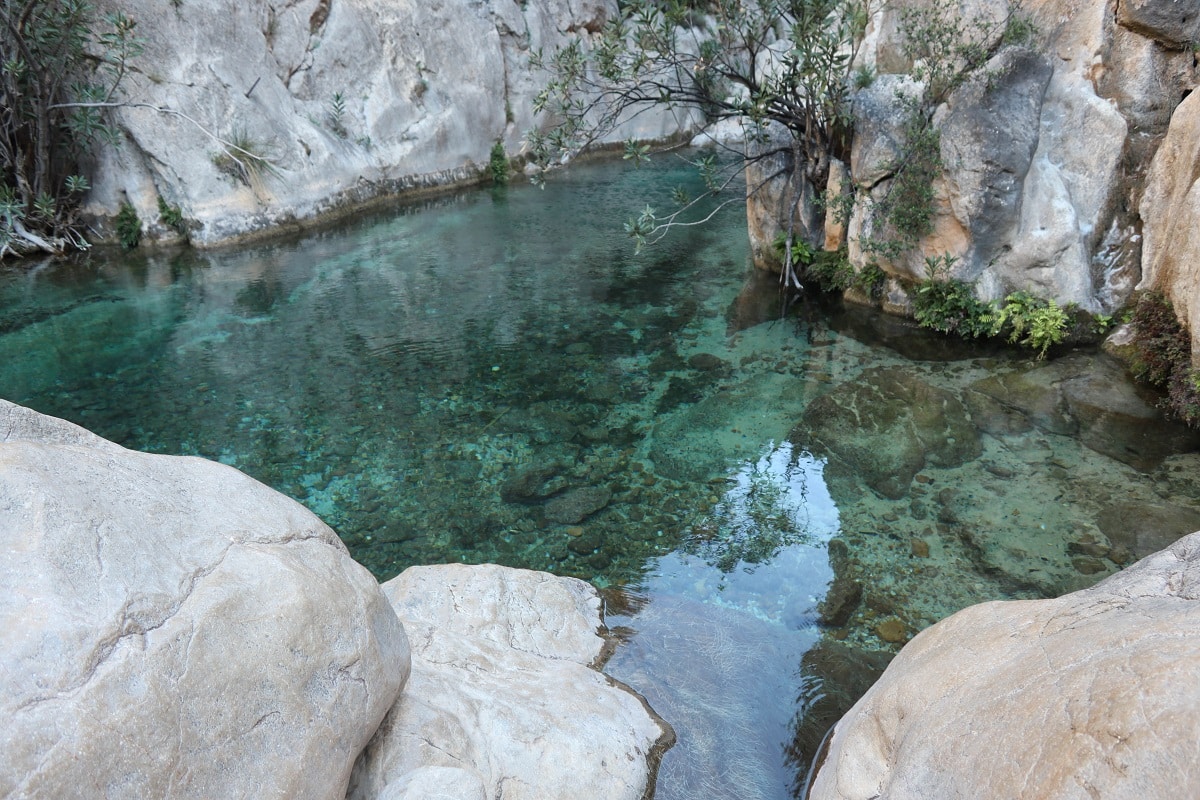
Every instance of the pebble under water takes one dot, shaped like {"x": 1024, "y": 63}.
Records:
{"x": 771, "y": 500}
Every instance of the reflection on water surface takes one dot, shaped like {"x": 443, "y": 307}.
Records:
{"x": 772, "y": 506}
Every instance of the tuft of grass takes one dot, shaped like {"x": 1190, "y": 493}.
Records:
{"x": 246, "y": 159}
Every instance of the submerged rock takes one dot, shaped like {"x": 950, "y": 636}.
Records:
{"x": 1085, "y": 395}
{"x": 170, "y": 627}
{"x": 578, "y": 504}
{"x": 503, "y": 700}
{"x": 1086, "y": 695}
{"x": 885, "y": 426}
{"x": 1143, "y": 529}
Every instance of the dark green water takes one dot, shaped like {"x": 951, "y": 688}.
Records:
{"x": 498, "y": 377}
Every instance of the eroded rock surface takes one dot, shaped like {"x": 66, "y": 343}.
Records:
{"x": 503, "y": 700}
{"x": 350, "y": 101}
{"x": 1088, "y": 695}
{"x": 171, "y": 628}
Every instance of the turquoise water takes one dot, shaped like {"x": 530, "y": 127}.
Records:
{"x": 772, "y": 503}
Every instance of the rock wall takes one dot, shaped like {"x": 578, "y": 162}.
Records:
{"x": 427, "y": 87}
{"x": 1088, "y": 695}
{"x": 1045, "y": 151}
{"x": 1170, "y": 209}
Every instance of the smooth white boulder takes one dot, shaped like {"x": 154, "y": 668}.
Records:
{"x": 503, "y": 700}
{"x": 1093, "y": 694}
{"x": 171, "y": 628}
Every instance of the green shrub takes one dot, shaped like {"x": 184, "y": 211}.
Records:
{"x": 949, "y": 305}
{"x": 336, "y": 116}
{"x": 129, "y": 226}
{"x": 172, "y": 217}
{"x": 1031, "y": 321}
{"x": 802, "y": 251}
{"x": 246, "y": 158}
{"x": 498, "y": 164}
{"x": 870, "y": 280}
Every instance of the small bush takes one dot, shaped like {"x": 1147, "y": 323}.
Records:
{"x": 949, "y": 305}
{"x": 802, "y": 251}
{"x": 1031, "y": 321}
{"x": 335, "y": 118}
{"x": 172, "y": 217}
{"x": 245, "y": 158}
{"x": 129, "y": 227}
{"x": 498, "y": 164}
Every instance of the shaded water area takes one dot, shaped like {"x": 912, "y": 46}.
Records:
{"x": 772, "y": 504}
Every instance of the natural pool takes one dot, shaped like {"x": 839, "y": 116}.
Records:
{"x": 771, "y": 503}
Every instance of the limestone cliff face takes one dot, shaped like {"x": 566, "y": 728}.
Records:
{"x": 1045, "y": 151}
{"x": 426, "y": 88}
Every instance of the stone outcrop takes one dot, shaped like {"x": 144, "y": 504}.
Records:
{"x": 425, "y": 89}
{"x": 1171, "y": 213}
{"x": 502, "y": 700}
{"x": 1087, "y": 695}
{"x": 1044, "y": 151}
{"x": 171, "y": 628}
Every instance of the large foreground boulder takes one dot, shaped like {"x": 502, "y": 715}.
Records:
{"x": 171, "y": 628}
{"x": 1094, "y": 694}
{"x": 503, "y": 701}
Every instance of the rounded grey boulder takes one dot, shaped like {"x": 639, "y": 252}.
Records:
{"x": 171, "y": 628}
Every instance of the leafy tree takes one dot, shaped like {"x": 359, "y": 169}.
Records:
{"x": 777, "y": 64}
{"x": 60, "y": 66}
{"x": 782, "y": 63}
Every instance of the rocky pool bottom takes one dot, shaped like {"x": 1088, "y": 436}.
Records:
{"x": 773, "y": 500}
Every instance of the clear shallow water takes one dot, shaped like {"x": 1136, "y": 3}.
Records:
{"x": 497, "y": 377}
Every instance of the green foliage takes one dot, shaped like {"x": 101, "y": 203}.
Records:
{"x": 660, "y": 53}
{"x": 246, "y": 159}
{"x": 801, "y": 255}
{"x": 1101, "y": 323}
{"x": 870, "y": 280}
{"x": 1019, "y": 29}
{"x": 1031, "y": 321}
{"x": 172, "y": 217}
{"x": 61, "y": 66}
{"x": 946, "y": 49}
{"x": 129, "y": 226}
{"x": 498, "y": 164}
{"x": 949, "y": 305}
{"x": 863, "y": 77}
{"x": 336, "y": 116}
